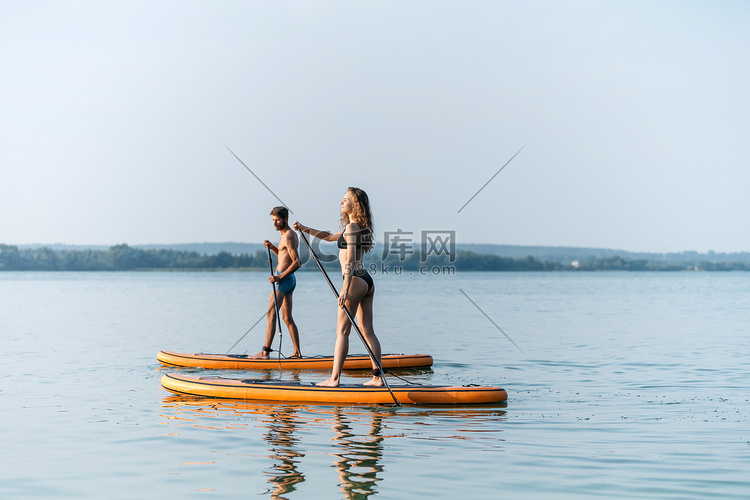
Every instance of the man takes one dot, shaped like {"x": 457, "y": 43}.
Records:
{"x": 287, "y": 263}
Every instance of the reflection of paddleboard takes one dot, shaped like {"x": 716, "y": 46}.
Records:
{"x": 240, "y": 362}
{"x": 278, "y": 390}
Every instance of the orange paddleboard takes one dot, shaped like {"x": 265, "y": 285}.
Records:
{"x": 242, "y": 362}
{"x": 277, "y": 390}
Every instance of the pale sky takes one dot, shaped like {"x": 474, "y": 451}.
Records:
{"x": 635, "y": 117}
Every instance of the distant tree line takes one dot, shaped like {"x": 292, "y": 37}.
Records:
{"x": 470, "y": 261}
{"x": 122, "y": 258}
{"x": 126, "y": 258}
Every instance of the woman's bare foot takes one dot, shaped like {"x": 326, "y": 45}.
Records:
{"x": 328, "y": 383}
{"x": 376, "y": 381}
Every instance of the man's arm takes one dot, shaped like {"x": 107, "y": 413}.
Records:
{"x": 270, "y": 245}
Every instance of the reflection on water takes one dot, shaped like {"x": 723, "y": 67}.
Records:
{"x": 358, "y": 456}
{"x": 358, "y": 434}
{"x": 279, "y": 421}
{"x": 280, "y": 436}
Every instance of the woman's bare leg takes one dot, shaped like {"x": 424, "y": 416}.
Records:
{"x": 343, "y": 326}
{"x": 364, "y": 317}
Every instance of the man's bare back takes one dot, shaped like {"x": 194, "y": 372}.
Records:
{"x": 288, "y": 244}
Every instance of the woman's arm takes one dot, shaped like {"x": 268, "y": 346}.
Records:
{"x": 323, "y": 235}
{"x": 351, "y": 235}
{"x": 348, "y": 263}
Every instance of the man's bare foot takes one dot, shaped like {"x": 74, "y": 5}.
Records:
{"x": 265, "y": 353}
{"x": 328, "y": 383}
{"x": 296, "y": 355}
{"x": 375, "y": 381}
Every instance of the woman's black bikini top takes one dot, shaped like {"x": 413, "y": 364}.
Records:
{"x": 364, "y": 239}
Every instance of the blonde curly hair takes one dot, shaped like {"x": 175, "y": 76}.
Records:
{"x": 362, "y": 215}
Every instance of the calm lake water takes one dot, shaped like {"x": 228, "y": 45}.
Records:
{"x": 630, "y": 385}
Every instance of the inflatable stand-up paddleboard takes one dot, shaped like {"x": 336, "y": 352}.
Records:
{"x": 283, "y": 391}
{"x": 243, "y": 362}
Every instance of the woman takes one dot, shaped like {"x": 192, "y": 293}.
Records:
{"x": 358, "y": 290}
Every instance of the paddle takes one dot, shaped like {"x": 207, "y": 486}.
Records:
{"x": 351, "y": 319}
{"x": 276, "y": 302}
